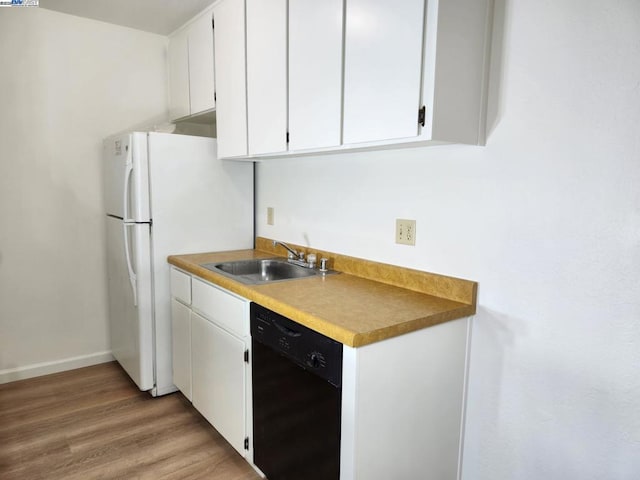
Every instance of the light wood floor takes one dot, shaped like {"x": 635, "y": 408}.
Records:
{"x": 93, "y": 423}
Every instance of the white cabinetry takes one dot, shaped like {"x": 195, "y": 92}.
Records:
{"x": 382, "y": 69}
{"x": 219, "y": 380}
{"x": 181, "y": 330}
{"x": 231, "y": 79}
{"x": 214, "y": 356}
{"x": 201, "y": 75}
{"x": 315, "y": 73}
{"x": 294, "y": 74}
{"x": 181, "y": 346}
{"x": 191, "y": 63}
{"x": 456, "y": 63}
{"x": 362, "y": 74}
{"x": 178, "y": 64}
{"x": 267, "y": 75}
{"x": 418, "y": 381}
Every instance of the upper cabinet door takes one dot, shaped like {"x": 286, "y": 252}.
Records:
{"x": 178, "y": 61}
{"x": 201, "y": 79}
{"x": 383, "y": 68}
{"x": 267, "y": 75}
{"x": 315, "y": 73}
{"x": 230, "y": 78}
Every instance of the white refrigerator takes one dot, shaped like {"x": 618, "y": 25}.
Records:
{"x": 164, "y": 194}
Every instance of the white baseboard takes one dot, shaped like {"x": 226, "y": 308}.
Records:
{"x": 45, "y": 368}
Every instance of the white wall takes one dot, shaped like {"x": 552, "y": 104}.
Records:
{"x": 546, "y": 218}
{"x": 65, "y": 83}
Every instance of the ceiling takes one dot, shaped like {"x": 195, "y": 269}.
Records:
{"x": 156, "y": 16}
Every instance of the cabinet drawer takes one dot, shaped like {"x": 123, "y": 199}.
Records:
{"x": 221, "y": 307}
{"x": 181, "y": 286}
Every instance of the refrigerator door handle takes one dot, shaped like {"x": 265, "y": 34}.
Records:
{"x": 127, "y": 254}
{"x": 127, "y": 181}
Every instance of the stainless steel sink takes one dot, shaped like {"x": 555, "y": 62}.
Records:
{"x": 256, "y": 271}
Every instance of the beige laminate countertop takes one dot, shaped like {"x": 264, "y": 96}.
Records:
{"x": 349, "y": 307}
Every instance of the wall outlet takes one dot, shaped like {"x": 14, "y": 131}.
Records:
{"x": 405, "y": 231}
{"x": 270, "y": 216}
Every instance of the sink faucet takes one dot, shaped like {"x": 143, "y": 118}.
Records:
{"x": 293, "y": 256}
{"x": 292, "y": 253}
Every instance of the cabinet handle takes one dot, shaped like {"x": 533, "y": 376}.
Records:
{"x": 422, "y": 115}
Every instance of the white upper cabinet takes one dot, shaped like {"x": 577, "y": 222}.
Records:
{"x": 231, "y": 79}
{"x": 456, "y": 64}
{"x": 190, "y": 59}
{"x": 201, "y": 78}
{"x": 178, "y": 64}
{"x": 343, "y": 75}
{"x": 294, "y": 74}
{"x": 382, "y": 69}
{"x": 267, "y": 75}
{"x": 315, "y": 73}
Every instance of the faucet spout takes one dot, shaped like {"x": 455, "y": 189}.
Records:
{"x": 289, "y": 249}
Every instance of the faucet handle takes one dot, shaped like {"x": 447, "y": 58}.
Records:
{"x": 311, "y": 260}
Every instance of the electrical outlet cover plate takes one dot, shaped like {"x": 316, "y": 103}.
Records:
{"x": 270, "y": 216}
{"x": 405, "y": 231}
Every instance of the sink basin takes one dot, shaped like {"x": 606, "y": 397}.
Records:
{"x": 256, "y": 271}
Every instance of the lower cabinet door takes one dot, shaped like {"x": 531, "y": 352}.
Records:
{"x": 218, "y": 371}
{"x": 181, "y": 346}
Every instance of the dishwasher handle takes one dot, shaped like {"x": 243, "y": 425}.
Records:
{"x": 285, "y": 330}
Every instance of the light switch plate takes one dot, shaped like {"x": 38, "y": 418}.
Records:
{"x": 270, "y": 214}
{"x": 405, "y": 231}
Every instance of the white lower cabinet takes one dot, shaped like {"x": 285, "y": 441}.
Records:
{"x": 181, "y": 345}
{"x": 403, "y": 402}
{"x": 403, "y": 399}
{"x": 211, "y": 345}
{"x": 181, "y": 330}
{"x": 219, "y": 379}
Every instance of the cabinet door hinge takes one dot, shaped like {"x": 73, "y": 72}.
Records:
{"x": 422, "y": 115}
{"x": 246, "y": 356}
{"x": 246, "y": 443}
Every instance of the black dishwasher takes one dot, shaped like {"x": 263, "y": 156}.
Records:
{"x": 297, "y": 394}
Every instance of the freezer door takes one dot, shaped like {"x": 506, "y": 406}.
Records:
{"x": 130, "y": 299}
{"x": 126, "y": 177}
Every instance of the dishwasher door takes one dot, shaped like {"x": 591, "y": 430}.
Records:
{"x": 296, "y": 413}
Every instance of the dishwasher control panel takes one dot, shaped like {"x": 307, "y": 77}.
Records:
{"x": 307, "y": 348}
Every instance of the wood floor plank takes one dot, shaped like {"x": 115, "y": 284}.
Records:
{"x": 93, "y": 423}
